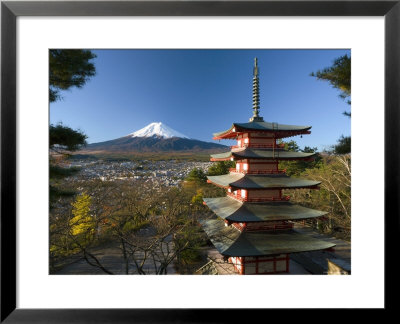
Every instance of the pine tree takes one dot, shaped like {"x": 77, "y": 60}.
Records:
{"x": 69, "y": 68}
{"x": 196, "y": 175}
{"x": 339, "y": 76}
{"x": 221, "y": 167}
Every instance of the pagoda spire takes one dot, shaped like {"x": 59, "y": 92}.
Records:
{"x": 256, "y": 94}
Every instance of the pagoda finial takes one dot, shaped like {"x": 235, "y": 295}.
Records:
{"x": 256, "y": 94}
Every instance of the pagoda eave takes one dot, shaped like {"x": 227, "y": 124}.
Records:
{"x": 218, "y": 185}
{"x": 233, "y": 243}
{"x": 216, "y": 160}
{"x": 262, "y": 154}
{"x": 274, "y": 129}
{"x": 235, "y": 158}
{"x": 233, "y": 187}
{"x": 275, "y": 134}
{"x": 234, "y": 211}
{"x": 243, "y": 181}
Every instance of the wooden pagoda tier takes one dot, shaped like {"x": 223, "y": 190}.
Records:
{"x": 261, "y": 128}
{"x": 259, "y": 252}
{"x": 231, "y": 242}
{"x": 232, "y": 210}
{"x": 270, "y": 181}
{"x": 262, "y": 154}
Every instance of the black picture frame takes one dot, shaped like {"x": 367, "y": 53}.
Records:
{"x": 10, "y": 10}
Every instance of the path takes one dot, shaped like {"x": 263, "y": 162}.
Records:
{"x": 110, "y": 257}
{"x": 317, "y": 262}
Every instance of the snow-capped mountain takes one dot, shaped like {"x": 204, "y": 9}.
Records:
{"x": 155, "y": 137}
{"x": 157, "y": 129}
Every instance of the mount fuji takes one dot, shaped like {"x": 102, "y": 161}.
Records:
{"x": 155, "y": 137}
{"x": 157, "y": 129}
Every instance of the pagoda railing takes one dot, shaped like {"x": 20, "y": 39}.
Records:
{"x": 274, "y": 227}
{"x": 284, "y": 198}
{"x": 259, "y": 171}
{"x": 263, "y": 199}
{"x": 267, "y": 172}
{"x": 230, "y": 194}
{"x": 277, "y": 146}
{"x": 311, "y": 222}
{"x": 264, "y": 227}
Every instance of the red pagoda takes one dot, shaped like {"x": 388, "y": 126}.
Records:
{"x": 254, "y": 228}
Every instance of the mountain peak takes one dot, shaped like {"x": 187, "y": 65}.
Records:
{"x": 157, "y": 129}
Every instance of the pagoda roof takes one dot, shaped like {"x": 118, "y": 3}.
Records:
{"x": 273, "y": 181}
{"x": 263, "y": 127}
{"x": 266, "y": 154}
{"x": 236, "y": 211}
{"x": 231, "y": 242}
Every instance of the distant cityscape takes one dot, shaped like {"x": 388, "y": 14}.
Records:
{"x": 158, "y": 173}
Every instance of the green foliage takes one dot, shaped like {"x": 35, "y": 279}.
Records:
{"x": 190, "y": 255}
{"x": 56, "y": 193}
{"x": 334, "y": 196}
{"x": 126, "y": 221}
{"x": 65, "y": 138}
{"x": 192, "y": 238}
{"x": 220, "y": 167}
{"x": 57, "y": 172}
{"x": 62, "y": 139}
{"x": 339, "y": 76}
{"x": 291, "y": 146}
{"x": 69, "y": 68}
{"x": 343, "y": 146}
{"x": 132, "y": 226}
{"x": 196, "y": 175}
{"x": 295, "y": 168}
{"x": 198, "y": 198}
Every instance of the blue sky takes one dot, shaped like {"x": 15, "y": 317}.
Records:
{"x": 200, "y": 92}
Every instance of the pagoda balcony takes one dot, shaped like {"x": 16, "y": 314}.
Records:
{"x": 264, "y": 227}
{"x": 283, "y": 198}
{"x": 277, "y": 146}
{"x": 267, "y": 172}
{"x": 233, "y": 170}
{"x": 256, "y": 200}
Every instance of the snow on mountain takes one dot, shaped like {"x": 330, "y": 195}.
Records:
{"x": 157, "y": 129}
{"x": 156, "y": 137}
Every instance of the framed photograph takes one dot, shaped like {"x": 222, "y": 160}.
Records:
{"x": 32, "y": 287}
